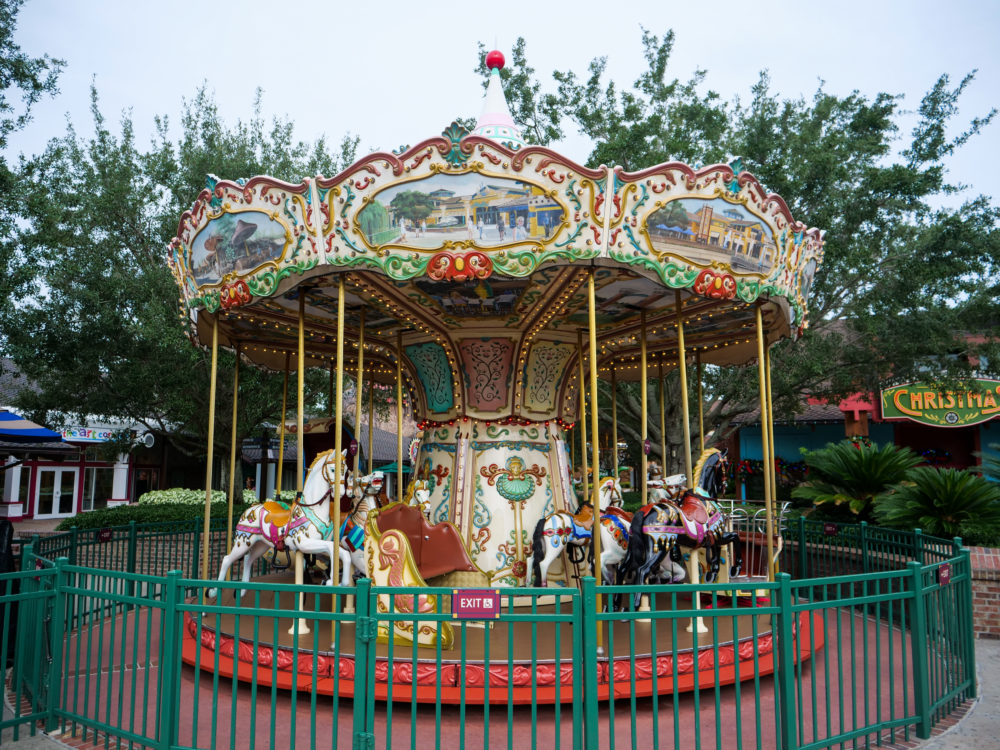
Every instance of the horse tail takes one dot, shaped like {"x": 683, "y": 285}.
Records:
{"x": 537, "y": 550}
{"x": 635, "y": 552}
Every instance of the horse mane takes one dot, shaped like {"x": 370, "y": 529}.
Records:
{"x": 705, "y": 470}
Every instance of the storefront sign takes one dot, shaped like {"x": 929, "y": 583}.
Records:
{"x": 87, "y": 435}
{"x": 921, "y": 403}
{"x": 475, "y": 604}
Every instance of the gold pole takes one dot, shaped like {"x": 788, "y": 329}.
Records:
{"x": 770, "y": 440}
{"x": 572, "y": 454}
{"x": 232, "y": 454}
{"x": 211, "y": 451}
{"x": 360, "y": 383}
{"x": 399, "y": 416}
{"x": 764, "y": 440}
{"x": 644, "y": 400}
{"x": 371, "y": 423}
{"x": 585, "y": 479}
{"x": 594, "y": 436}
{"x": 701, "y": 404}
{"x": 329, "y": 400}
{"x": 281, "y": 434}
{"x": 300, "y": 450}
{"x": 682, "y": 368}
{"x": 663, "y": 420}
{"x": 614, "y": 418}
{"x": 338, "y": 439}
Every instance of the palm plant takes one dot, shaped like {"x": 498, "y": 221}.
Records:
{"x": 942, "y": 502}
{"x": 854, "y": 475}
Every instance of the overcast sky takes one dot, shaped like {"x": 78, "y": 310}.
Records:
{"x": 398, "y": 72}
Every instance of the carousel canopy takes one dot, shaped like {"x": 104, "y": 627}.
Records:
{"x": 468, "y": 255}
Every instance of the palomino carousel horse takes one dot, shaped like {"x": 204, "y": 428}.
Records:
{"x": 692, "y": 520}
{"x": 305, "y": 527}
{"x": 565, "y": 531}
{"x": 418, "y": 494}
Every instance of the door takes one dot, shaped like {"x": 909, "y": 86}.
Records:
{"x": 56, "y": 493}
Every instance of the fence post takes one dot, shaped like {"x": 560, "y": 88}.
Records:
{"x": 57, "y": 634}
{"x": 918, "y": 546}
{"x": 195, "y": 549}
{"x": 130, "y": 560}
{"x": 364, "y": 631}
{"x": 169, "y": 667}
{"x": 591, "y": 737}
{"x": 863, "y": 531}
{"x": 786, "y": 662}
{"x": 918, "y": 640}
{"x": 803, "y": 558}
{"x": 969, "y": 636}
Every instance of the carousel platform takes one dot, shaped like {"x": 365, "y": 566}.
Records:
{"x": 502, "y": 662}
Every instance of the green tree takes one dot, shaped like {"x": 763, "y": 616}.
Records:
{"x": 412, "y": 204}
{"x": 854, "y": 475}
{"x": 34, "y": 78}
{"x": 97, "y": 331}
{"x": 903, "y": 278}
{"x": 944, "y": 503}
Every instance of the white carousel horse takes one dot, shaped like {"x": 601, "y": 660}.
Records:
{"x": 304, "y": 528}
{"x": 564, "y": 531}
{"x": 352, "y": 531}
{"x": 418, "y": 494}
{"x": 692, "y": 520}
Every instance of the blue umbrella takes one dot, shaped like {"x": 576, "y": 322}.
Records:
{"x": 14, "y": 429}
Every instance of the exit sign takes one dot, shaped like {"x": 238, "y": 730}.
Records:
{"x": 475, "y": 604}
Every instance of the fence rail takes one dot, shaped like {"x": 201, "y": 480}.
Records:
{"x": 111, "y": 639}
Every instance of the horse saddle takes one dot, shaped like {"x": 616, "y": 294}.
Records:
{"x": 693, "y": 508}
{"x": 585, "y": 517}
{"x": 623, "y": 515}
{"x": 278, "y": 514}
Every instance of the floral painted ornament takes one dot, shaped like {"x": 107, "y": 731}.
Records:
{"x": 515, "y": 483}
{"x": 715, "y": 285}
{"x": 445, "y": 266}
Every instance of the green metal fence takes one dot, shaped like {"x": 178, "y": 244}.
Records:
{"x": 875, "y": 652}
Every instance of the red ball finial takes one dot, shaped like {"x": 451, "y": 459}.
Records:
{"x": 494, "y": 59}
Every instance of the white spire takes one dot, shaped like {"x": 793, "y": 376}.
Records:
{"x": 495, "y": 122}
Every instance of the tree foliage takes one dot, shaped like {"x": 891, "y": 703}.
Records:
{"x": 906, "y": 273}
{"x": 413, "y": 205}
{"x": 97, "y": 326}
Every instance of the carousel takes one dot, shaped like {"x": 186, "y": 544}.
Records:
{"x": 491, "y": 283}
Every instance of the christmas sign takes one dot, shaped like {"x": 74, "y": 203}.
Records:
{"x": 921, "y": 403}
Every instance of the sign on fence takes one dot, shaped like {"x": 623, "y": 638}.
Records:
{"x": 475, "y": 604}
{"x": 944, "y": 574}
{"x": 830, "y": 529}
{"x": 104, "y": 535}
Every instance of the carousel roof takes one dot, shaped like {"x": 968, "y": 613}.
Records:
{"x": 472, "y": 251}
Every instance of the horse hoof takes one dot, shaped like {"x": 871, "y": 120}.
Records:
{"x": 734, "y": 571}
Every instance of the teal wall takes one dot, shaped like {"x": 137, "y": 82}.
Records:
{"x": 989, "y": 432}
{"x": 788, "y": 439}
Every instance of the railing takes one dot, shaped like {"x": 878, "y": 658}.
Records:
{"x": 874, "y": 656}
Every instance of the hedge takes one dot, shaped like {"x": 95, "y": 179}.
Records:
{"x": 145, "y": 513}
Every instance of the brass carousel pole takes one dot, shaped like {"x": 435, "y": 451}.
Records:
{"x": 765, "y": 439}
{"x": 371, "y": 422}
{"x": 338, "y": 438}
{"x": 360, "y": 383}
{"x": 614, "y": 419}
{"x": 303, "y": 628}
{"x": 399, "y": 416}
{"x": 594, "y": 436}
{"x": 682, "y": 369}
{"x": 232, "y": 455}
{"x": 701, "y": 404}
{"x": 663, "y": 420}
{"x": 329, "y": 401}
{"x": 281, "y": 436}
{"x": 211, "y": 452}
{"x": 583, "y": 422}
{"x": 644, "y": 400}
{"x": 770, "y": 441}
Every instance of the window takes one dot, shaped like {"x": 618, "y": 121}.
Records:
{"x": 98, "y": 485}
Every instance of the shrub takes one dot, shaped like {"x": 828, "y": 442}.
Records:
{"x": 944, "y": 503}
{"x": 854, "y": 475}
{"x": 179, "y": 496}
{"x": 145, "y": 513}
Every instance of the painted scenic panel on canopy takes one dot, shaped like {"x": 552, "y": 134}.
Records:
{"x": 471, "y": 208}
{"x": 713, "y": 230}
{"x": 236, "y": 242}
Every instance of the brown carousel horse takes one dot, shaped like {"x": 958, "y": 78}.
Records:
{"x": 693, "y": 521}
